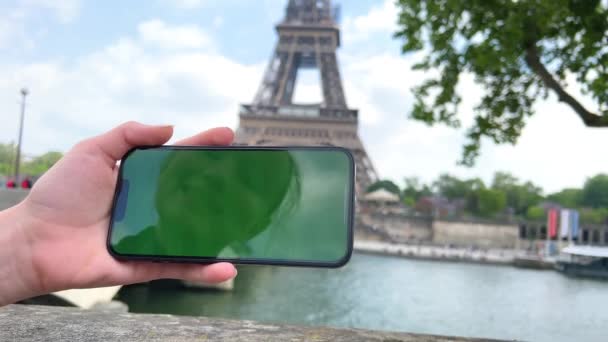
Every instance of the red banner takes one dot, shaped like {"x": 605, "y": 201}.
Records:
{"x": 552, "y": 223}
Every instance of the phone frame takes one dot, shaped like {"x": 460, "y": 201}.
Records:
{"x": 244, "y": 261}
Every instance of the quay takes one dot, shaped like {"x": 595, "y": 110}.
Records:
{"x": 430, "y": 252}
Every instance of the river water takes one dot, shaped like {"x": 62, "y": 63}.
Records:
{"x": 395, "y": 294}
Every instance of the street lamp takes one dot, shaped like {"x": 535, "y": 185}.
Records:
{"x": 24, "y": 93}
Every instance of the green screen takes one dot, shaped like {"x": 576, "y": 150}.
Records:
{"x": 236, "y": 204}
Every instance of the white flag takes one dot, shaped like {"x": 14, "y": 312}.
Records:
{"x": 564, "y": 223}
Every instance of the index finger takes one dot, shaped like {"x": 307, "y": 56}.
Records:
{"x": 220, "y": 136}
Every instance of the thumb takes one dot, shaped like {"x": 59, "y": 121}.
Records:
{"x": 118, "y": 141}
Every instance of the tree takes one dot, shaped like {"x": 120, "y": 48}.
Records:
{"x": 535, "y": 213}
{"x": 386, "y": 185}
{"x": 414, "y": 190}
{"x": 519, "y": 196}
{"x": 569, "y": 198}
{"x": 517, "y": 51}
{"x": 594, "y": 216}
{"x": 41, "y": 164}
{"x": 34, "y": 167}
{"x": 595, "y": 192}
{"x": 8, "y": 153}
{"x": 491, "y": 202}
{"x": 454, "y": 188}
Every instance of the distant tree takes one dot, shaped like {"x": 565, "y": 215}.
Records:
{"x": 518, "y": 52}
{"x": 569, "y": 198}
{"x": 41, "y": 164}
{"x": 519, "y": 196}
{"x": 453, "y": 188}
{"x": 386, "y": 185}
{"x": 8, "y": 154}
{"x": 409, "y": 201}
{"x": 535, "y": 213}
{"x": 414, "y": 189}
{"x": 491, "y": 202}
{"x": 34, "y": 167}
{"x": 595, "y": 192}
{"x": 594, "y": 216}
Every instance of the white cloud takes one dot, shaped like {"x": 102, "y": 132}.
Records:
{"x": 173, "y": 37}
{"x": 14, "y": 21}
{"x": 380, "y": 19}
{"x": 126, "y": 80}
{"x": 11, "y": 27}
{"x": 378, "y": 84}
{"x": 185, "y": 4}
{"x": 65, "y": 10}
{"x": 218, "y": 21}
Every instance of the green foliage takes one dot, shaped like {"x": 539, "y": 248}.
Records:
{"x": 409, "y": 201}
{"x": 520, "y": 196}
{"x": 594, "y": 216}
{"x": 506, "y": 191}
{"x": 34, "y": 167}
{"x": 415, "y": 189}
{"x": 569, "y": 198}
{"x": 453, "y": 188}
{"x": 8, "y": 153}
{"x": 517, "y": 52}
{"x": 491, "y": 202}
{"x": 41, "y": 164}
{"x": 535, "y": 213}
{"x": 595, "y": 192}
{"x": 386, "y": 185}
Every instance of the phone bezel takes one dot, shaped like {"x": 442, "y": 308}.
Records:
{"x": 245, "y": 261}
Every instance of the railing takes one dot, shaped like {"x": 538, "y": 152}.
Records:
{"x": 300, "y": 111}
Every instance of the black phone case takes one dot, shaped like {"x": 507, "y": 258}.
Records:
{"x": 271, "y": 262}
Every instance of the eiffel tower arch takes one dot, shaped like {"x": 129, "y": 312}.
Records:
{"x": 309, "y": 37}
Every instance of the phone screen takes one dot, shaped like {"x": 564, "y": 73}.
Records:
{"x": 290, "y": 206}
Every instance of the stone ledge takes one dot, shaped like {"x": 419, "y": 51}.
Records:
{"x": 46, "y": 323}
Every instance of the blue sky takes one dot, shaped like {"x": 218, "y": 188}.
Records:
{"x": 93, "y": 64}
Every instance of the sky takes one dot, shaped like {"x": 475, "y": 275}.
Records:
{"x": 90, "y": 65}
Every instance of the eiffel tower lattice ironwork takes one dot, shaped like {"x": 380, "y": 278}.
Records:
{"x": 308, "y": 38}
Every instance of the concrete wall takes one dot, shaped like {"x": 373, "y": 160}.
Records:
{"x": 481, "y": 234}
{"x": 10, "y": 197}
{"x": 400, "y": 228}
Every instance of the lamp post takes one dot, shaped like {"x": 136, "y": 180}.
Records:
{"x": 24, "y": 93}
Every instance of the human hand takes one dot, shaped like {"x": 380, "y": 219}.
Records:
{"x": 56, "y": 238}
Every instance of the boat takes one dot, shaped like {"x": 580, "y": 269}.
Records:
{"x": 584, "y": 261}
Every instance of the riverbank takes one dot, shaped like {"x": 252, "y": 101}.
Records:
{"x": 507, "y": 257}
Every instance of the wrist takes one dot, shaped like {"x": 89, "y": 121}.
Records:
{"x": 14, "y": 252}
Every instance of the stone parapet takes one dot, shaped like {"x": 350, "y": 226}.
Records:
{"x": 46, "y": 323}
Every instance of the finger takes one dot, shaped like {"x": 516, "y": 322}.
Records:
{"x": 118, "y": 141}
{"x": 215, "y": 137}
{"x": 211, "y": 274}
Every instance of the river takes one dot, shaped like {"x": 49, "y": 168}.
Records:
{"x": 395, "y": 294}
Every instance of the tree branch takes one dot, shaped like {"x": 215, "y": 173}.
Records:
{"x": 590, "y": 119}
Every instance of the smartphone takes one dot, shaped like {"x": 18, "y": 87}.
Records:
{"x": 290, "y": 206}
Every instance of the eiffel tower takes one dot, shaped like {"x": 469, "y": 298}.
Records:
{"x": 308, "y": 38}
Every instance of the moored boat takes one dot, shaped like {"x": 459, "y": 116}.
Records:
{"x": 584, "y": 261}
